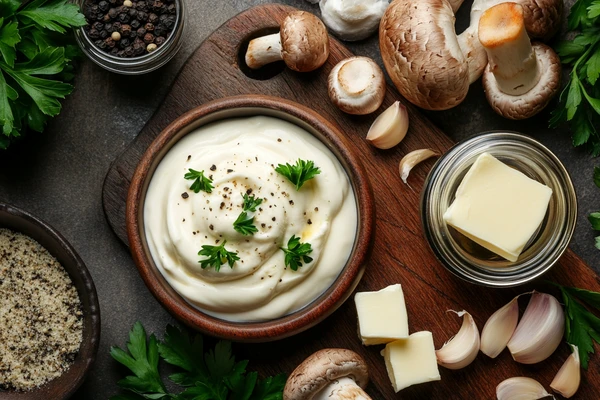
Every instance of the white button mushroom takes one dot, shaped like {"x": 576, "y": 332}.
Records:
{"x": 520, "y": 79}
{"x": 353, "y": 19}
{"x": 302, "y": 43}
{"x": 357, "y": 85}
{"x": 329, "y": 374}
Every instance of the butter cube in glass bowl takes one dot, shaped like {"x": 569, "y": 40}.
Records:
{"x": 382, "y": 315}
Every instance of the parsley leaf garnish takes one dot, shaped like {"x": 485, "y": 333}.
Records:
{"x": 579, "y": 103}
{"x": 201, "y": 182}
{"x": 582, "y": 327}
{"x": 35, "y": 62}
{"x": 210, "y": 375}
{"x": 296, "y": 253}
{"x": 217, "y": 256}
{"x": 300, "y": 173}
{"x": 245, "y": 225}
{"x": 251, "y": 202}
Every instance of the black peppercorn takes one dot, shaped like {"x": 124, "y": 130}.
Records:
{"x": 135, "y": 24}
{"x": 100, "y": 44}
{"x": 123, "y": 17}
{"x": 149, "y": 27}
{"x": 104, "y": 34}
{"x": 103, "y": 6}
{"x": 124, "y": 42}
{"x": 116, "y": 26}
{"x": 133, "y": 13}
{"x": 152, "y": 18}
{"x": 113, "y": 13}
{"x": 170, "y": 22}
{"x": 141, "y": 31}
{"x": 163, "y": 18}
{"x": 157, "y": 6}
{"x": 110, "y": 43}
{"x": 108, "y": 26}
{"x": 148, "y": 38}
{"x": 160, "y": 30}
{"x": 171, "y": 9}
{"x": 129, "y": 51}
{"x": 94, "y": 34}
{"x": 112, "y": 2}
{"x": 138, "y": 49}
{"x": 142, "y": 16}
{"x": 159, "y": 40}
{"x": 125, "y": 30}
{"x": 114, "y": 51}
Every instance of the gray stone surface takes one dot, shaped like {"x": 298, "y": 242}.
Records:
{"x": 58, "y": 175}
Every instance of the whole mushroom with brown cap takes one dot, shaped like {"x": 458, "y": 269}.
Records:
{"x": 302, "y": 43}
{"x": 521, "y": 78}
{"x": 357, "y": 85}
{"x": 329, "y": 374}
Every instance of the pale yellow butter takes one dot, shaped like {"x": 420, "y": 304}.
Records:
{"x": 382, "y": 315}
{"x": 498, "y": 207}
{"x": 411, "y": 361}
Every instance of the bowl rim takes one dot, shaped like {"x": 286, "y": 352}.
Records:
{"x": 479, "y": 140}
{"x": 66, "y": 384}
{"x": 319, "y": 308}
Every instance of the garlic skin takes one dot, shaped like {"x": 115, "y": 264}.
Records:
{"x": 499, "y": 328}
{"x": 540, "y": 331}
{"x": 413, "y": 158}
{"x": 520, "y": 388}
{"x": 462, "y": 349}
{"x": 389, "y": 128}
{"x": 567, "y": 379}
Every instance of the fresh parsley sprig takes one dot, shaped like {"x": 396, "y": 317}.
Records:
{"x": 296, "y": 253}
{"x": 217, "y": 256}
{"x": 594, "y": 218}
{"x": 251, "y": 202}
{"x": 300, "y": 173}
{"x": 201, "y": 182}
{"x": 580, "y": 100}
{"x": 213, "y": 374}
{"x": 245, "y": 225}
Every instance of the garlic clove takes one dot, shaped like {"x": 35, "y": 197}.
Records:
{"x": 499, "y": 328}
{"x": 389, "y": 128}
{"x": 567, "y": 379}
{"x": 520, "y": 388}
{"x": 462, "y": 349}
{"x": 540, "y": 330}
{"x": 413, "y": 158}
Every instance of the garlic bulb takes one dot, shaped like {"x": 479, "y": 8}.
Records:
{"x": 462, "y": 349}
{"x": 389, "y": 128}
{"x": 499, "y": 328}
{"x": 520, "y": 388}
{"x": 540, "y": 330}
{"x": 413, "y": 158}
{"x": 566, "y": 382}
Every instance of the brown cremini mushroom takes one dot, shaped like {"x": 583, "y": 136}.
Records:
{"x": 521, "y": 78}
{"x": 329, "y": 374}
{"x": 302, "y": 43}
{"x": 357, "y": 85}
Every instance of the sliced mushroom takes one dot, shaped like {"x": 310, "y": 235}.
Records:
{"x": 352, "y": 19}
{"x": 302, "y": 43}
{"x": 520, "y": 79}
{"x": 357, "y": 85}
{"x": 329, "y": 374}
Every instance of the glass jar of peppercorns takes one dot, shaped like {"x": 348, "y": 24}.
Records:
{"x": 131, "y": 37}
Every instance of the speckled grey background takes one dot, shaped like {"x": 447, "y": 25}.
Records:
{"x": 58, "y": 175}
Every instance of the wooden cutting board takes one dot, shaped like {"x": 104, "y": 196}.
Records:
{"x": 400, "y": 252}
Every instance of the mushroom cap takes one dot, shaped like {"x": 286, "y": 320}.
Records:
{"x": 304, "y": 41}
{"x": 357, "y": 85}
{"x": 352, "y": 19}
{"x": 542, "y": 17}
{"x": 534, "y": 101}
{"x": 421, "y": 53}
{"x": 322, "y": 368}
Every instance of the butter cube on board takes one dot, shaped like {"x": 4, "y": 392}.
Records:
{"x": 382, "y": 315}
{"x": 411, "y": 361}
{"x": 498, "y": 207}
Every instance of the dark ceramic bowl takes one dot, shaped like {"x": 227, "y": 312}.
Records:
{"x": 302, "y": 319}
{"x": 65, "y": 385}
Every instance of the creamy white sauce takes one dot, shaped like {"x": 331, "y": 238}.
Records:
{"x": 238, "y": 155}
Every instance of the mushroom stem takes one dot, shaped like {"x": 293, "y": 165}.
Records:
{"x": 264, "y": 50}
{"x": 510, "y": 54}
{"x": 343, "y": 388}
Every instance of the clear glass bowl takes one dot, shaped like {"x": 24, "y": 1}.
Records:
{"x": 465, "y": 258}
{"x": 135, "y": 65}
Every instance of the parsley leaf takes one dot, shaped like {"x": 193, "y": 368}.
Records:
{"x": 200, "y": 181}
{"x": 217, "y": 256}
{"x": 296, "y": 253}
{"x": 9, "y": 37}
{"x": 251, "y": 202}
{"x": 300, "y": 173}
{"x": 211, "y": 375}
{"x": 55, "y": 15}
{"x": 245, "y": 225}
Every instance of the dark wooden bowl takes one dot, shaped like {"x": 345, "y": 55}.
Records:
{"x": 300, "y": 320}
{"x": 65, "y": 385}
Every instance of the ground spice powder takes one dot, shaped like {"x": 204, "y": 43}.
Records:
{"x": 41, "y": 322}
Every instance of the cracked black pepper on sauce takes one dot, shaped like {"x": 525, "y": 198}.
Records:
{"x": 41, "y": 321}
{"x": 126, "y": 29}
